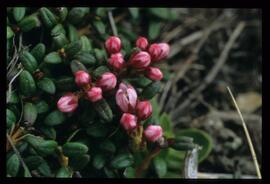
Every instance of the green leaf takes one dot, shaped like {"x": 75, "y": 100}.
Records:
{"x": 29, "y": 112}
{"x": 10, "y": 118}
{"x": 100, "y": 70}
{"x": 54, "y": 118}
{"x": 100, "y": 26}
{"x": 86, "y": 44}
{"x": 201, "y": 138}
{"x": 33, "y": 161}
{"x": 45, "y": 169}
{"x": 49, "y": 132}
{"x": 44, "y": 147}
{"x": 73, "y": 149}
{"x": 129, "y": 172}
{"x": 18, "y": 13}
{"x": 86, "y": 58}
{"x": 47, "y": 85}
{"x": 107, "y": 146}
{"x": 58, "y": 29}
{"x": 122, "y": 160}
{"x": 42, "y": 106}
{"x": 163, "y": 13}
{"x": 10, "y": 33}
{"x": 27, "y": 83}
{"x": 79, "y": 162}
{"x": 104, "y": 110}
{"x": 64, "y": 172}
{"x": 160, "y": 166}
{"x": 166, "y": 124}
{"x": 97, "y": 130}
{"x": 53, "y": 58}
{"x": 154, "y": 30}
{"x": 76, "y": 14}
{"x": 28, "y": 23}
{"x": 134, "y": 12}
{"x": 76, "y": 65}
{"x": 14, "y": 99}
{"x": 13, "y": 165}
{"x": 151, "y": 90}
{"x": 72, "y": 33}
{"x": 99, "y": 161}
{"x": 39, "y": 51}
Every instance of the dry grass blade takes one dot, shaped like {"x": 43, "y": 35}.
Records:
{"x": 247, "y": 135}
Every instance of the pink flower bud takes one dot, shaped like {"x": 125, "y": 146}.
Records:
{"x": 107, "y": 81}
{"x": 113, "y": 44}
{"x": 68, "y": 103}
{"x": 143, "y": 109}
{"x": 128, "y": 121}
{"x": 116, "y": 61}
{"x": 142, "y": 43}
{"x": 153, "y": 132}
{"x": 154, "y": 73}
{"x": 140, "y": 59}
{"x": 94, "y": 94}
{"x": 126, "y": 98}
{"x": 82, "y": 78}
{"x": 159, "y": 51}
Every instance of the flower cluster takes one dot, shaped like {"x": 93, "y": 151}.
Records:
{"x": 143, "y": 60}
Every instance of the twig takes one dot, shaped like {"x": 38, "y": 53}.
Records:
{"x": 114, "y": 29}
{"x": 18, "y": 154}
{"x": 146, "y": 162}
{"x": 247, "y": 135}
{"x": 214, "y": 71}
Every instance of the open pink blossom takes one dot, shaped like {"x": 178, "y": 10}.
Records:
{"x": 126, "y": 97}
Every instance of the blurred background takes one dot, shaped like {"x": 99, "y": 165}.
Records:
{"x": 210, "y": 49}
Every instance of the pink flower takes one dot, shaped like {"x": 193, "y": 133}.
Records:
{"x": 159, "y": 51}
{"x": 126, "y": 98}
{"x": 153, "y": 132}
{"x": 143, "y": 109}
{"x": 107, "y": 81}
{"x": 142, "y": 43}
{"x": 67, "y": 103}
{"x": 113, "y": 44}
{"x": 140, "y": 59}
{"x": 94, "y": 94}
{"x": 82, "y": 78}
{"x": 128, "y": 121}
{"x": 154, "y": 73}
{"x": 116, "y": 61}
